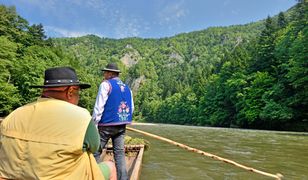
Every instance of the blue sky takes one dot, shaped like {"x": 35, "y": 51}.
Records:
{"x": 141, "y": 18}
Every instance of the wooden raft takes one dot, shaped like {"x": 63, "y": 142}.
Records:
{"x": 133, "y": 158}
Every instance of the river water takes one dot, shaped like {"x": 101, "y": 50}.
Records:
{"x": 270, "y": 151}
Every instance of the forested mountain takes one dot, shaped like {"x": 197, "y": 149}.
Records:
{"x": 247, "y": 76}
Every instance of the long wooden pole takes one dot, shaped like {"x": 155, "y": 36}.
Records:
{"x": 277, "y": 176}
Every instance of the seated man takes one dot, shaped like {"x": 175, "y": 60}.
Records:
{"x": 52, "y": 138}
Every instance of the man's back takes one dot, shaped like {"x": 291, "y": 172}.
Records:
{"x": 43, "y": 140}
{"x": 118, "y": 108}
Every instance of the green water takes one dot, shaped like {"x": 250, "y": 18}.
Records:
{"x": 269, "y": 151}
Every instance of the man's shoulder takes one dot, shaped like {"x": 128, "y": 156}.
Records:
{"x": 64, "y": 106}
{"x": 25, "y": 107}
{"x": 71, "y": 111}
{"x": 74, "y": 108}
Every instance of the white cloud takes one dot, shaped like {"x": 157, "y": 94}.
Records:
{"x": 45, "y": 5}
{"x": 172, "y": 13}
{"x": 226, "y": 2}
{"x": 95, "y": 5}
{"x": 127, "y": 27}
{"x": 59, "y": 32}
{"x": 234, "y": 12}
{"x": 67, "y": 10}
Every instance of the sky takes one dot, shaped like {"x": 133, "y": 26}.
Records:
{"x": 141, "y": 18}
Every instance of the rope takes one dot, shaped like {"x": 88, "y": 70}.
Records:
{"x": 277, "y": 176}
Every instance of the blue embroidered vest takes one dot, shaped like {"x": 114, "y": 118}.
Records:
{"x": 118, "y": 108}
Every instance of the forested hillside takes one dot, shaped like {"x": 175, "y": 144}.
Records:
{"x": 247, "y": 76}
{"x": 24, "y": 55}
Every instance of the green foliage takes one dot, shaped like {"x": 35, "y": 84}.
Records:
{"x": 9, "y": 97}
{"x": 253, "y": 99}
{"x": 37, "y": 34}
{"x": 282, "y": 21}
{"x": 12, "y": 25}
{"x": 137, "y": 141}
{"x": 24, "y": 56}
{"x": 265, "y": 59}
{"x": 298, "y": 64}
{"x": 248, "y": 76}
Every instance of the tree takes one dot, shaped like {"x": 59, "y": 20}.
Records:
{"x": 37, "y": 34}
{"x": 12, "y": 25}
{"x": 298, "y": 74}
{"x": 9, "y": 97}
{"x": 265, "y": 60}
{"x": 281, "y": 22}
{"x": 253, "y": 100}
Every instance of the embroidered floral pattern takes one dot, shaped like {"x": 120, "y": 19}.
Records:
{"x": 123, "y": 111}
{"x": 122, "y": 85}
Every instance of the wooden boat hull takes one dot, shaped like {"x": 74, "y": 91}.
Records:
{"x": 133, "y": 157}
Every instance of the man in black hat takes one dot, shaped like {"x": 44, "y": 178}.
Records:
{"x": 112, "y": 111}
{"x": 52, "y": 138}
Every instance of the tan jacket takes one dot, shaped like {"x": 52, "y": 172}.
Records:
{"x": 43, "y": 140}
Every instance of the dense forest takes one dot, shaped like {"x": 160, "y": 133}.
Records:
{"x": 245, "y": 76}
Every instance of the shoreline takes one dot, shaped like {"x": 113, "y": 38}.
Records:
{"x": 226, "y": 128}
{"x": 143, "y": 124}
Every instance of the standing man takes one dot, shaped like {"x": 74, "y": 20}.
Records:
{"x": 112, "y": 111}
{"x": 52, "y": 138}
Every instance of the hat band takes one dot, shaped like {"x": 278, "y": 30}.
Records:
{"x": 61, "y": 81}
{"x": 113, "y": 70}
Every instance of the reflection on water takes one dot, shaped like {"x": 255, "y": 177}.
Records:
{"x": 269, "y": 151}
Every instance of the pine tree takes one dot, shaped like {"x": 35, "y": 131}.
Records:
{"x": 282, "y": 21}
{"x": 265, "y": 60}
{"x": 37, "y": 34}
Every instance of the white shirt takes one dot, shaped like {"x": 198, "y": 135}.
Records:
{"x": 101, "y": 99}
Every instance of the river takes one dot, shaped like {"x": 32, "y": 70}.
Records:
{"x": 270, "y": 151}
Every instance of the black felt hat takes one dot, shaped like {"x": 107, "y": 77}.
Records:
{"x": 111, "y": 67}
{"x": 61, "y": 76}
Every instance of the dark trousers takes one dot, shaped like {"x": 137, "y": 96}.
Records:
{"x": 117, "y": 134}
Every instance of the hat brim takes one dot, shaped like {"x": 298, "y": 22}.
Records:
{"x": 82, "y": 86}
{"x": 112, "y": 70}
